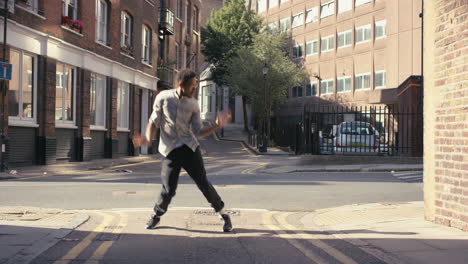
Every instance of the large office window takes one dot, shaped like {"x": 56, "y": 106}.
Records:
{"x": 285, "y": 24}
{"x": 312, "y": 15}
{"x": 380, "y": 79}
{"x": 361, "y": 2}
{"x": 327, "y": 9}
{"x": 343, "y": 84}
{"x": 101, "y": 21}
{"x": 362, "y": 81}
{"x": 262, "y": 6}
{"x": 326, "y": 87}
{"x": 344, "y": 5}
{"x": 297, "y": 51}
{"x": 123, "y": 101}
{"x": 65, "y": 93}
{"x": 363, "y": 34}
{"x": 344, "y": 39}
{"x": 97, "y": 100}
{"x": 298, "y": 20}
{"x": 126, "y": 31}
{"x": 70, "y": 9}
{"x": 146, "y": 45}
{"x": 380, "y": 29}
{"x": 272, "y": 3}
{"x": 311, "y": 47}
{"x": 311, "y": 89}
{"x": 22, "y": 87}
{"x": 327, "y": 43}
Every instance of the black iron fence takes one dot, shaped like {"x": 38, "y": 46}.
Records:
{"x": 340, "y": 130}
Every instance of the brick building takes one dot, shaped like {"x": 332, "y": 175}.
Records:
{"x": 85, "y": 74}
{"x": 446, "y": 112}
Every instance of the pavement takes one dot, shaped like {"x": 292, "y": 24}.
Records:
{"x": 392, "y": 232}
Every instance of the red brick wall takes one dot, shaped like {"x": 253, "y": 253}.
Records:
{"x": 451, "y": 122}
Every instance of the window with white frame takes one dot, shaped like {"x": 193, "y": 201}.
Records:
{"x": 179, "y": 9}
{"x": 285, "y": 24}
{"x": 70, "y": 9}
{"x": 283, "y": 1}
{"x": 327, "y": 43}
{"x": 361, "y": 2}
{"x": 97, "y": 100}
{"x": 32, "y": 5}
{"x": 123, "y": 105}
{"x": 311, "y": 47}
{"x": 362, "y": 81}
{"x": 344, "y": 39}
{"x": 380, "y": 29}
{"x": 327, "y": 9}
{"x": 177, "y": 56}
{"x": 380, "y": 79}
{"x": 195, "y": 18}
{"x": 101, "y": 21}
{"x": 146, "y": 45}
{"x": 262, "y": 6}
{"x": 297, "y": 91}
{"x": 311, "y": 89}
{"x": 298, "y": 20}
{"x": 272, "y": 3}
{"x": 207, "y": 99}
{"x": 326, "y": 87}
{"x": 273, "y": 27}
{"x": 126, "y": 31}
{"x": 312, "y": 15}
{"x": 363, "y": 34}
{"x": 344, "y": 5}
{"x": 65, "y": 93}
{"x": 187, "y": 17}
{"x": 297, "y": 51}
{"x": 22, "y": 86}
{"x": 343, "y": 84}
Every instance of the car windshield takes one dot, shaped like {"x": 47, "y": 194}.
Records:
{"x": 356, "y": 129}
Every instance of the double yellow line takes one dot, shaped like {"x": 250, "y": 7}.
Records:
{"x": 283, "y": 226}
{"x": 251, "y": 170}
{"x": 100, "y": 252}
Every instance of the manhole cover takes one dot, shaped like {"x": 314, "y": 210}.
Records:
{"x": 211, "y": 212}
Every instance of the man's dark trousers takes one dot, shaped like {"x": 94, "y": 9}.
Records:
{"x": 192, "y": 162}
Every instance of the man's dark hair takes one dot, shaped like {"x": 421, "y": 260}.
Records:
{"x": 185, "y": 76}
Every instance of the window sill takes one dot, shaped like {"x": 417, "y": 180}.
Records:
{"x": 196, "y": 32}
{"x": 98, "y": 128}
{"x": 326, "y": 94}
{"x": 178, "y": 19}
{"x": 102, "y": 44}
{"x": 72, "y": 31}
{"x": 380, "y": 87}
{"x": 147, "y": 64}
{"x": 30, "y": 11}
{"x": 65, "y": 125}
{"x": 123, "y": 130}
{"x": 344, "y": 92}
{"x": 126, "y": 55}
{"x": 382, "y": 37}
{"x": 325, "y": 51}
{"x": 22, "y": 123}
{"x": 362, "y": 90}
{"x": 149, "y": 2}
{"x": 343, "y": 47}
{"x": 364, "y": 41}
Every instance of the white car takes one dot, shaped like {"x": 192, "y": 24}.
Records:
{"x": 356, "y": 138}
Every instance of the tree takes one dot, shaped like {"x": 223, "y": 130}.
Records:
{"x": 246, "y": 77}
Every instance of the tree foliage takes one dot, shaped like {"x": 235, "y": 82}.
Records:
{"x": 229, "y": 28}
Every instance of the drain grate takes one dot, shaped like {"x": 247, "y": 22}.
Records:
{"x": 211, "y": 212}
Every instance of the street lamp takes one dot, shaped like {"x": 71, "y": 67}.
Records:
{"x": 263, "y": 148}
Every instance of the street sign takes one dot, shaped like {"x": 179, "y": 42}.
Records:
{"x": 5, "y": 71}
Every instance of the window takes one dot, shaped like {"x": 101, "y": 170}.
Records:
{"x": 97, "y": 101}
{"x": 363, "y": 33}
{"x": 297, "y": 91}
{"x": 187, "y": 58}
{"x": 297, "y": 51}
{"x": 195, "y": 19}
{"x": 380, "y": 29}
{"x": 22, "y": 89}
{"x": 101, "y": 21}
{"x": 283, "y": 1}
{"x": 312, "y": 15}
{"x": 311, "y": 47}
{"x": 273, "y": 27}
{"x": 31, "y": 5}
{"x": 361, "y": 2}
{"x": 126, "y": 31}
{"x": 380, "y": 79}
{"x": 272, "y": 3}
{"x": 326, "y": 87}
{"x": 146, "y": 45}
{"x": 327, "y": 43}
{"x": 123, "y": 98}
{"x": 298, "y": 20}
{"x": 343, "y": 84}
{"x": 187, "y": 17}
{"x": 177, "y": 56}
{"x": 285, "y": 25}
{"x": 327, "y": 9}
{"x": 311, "y": 89}
{"x": 69, "y": 9}
{"x": 262, "y": 6}
{"x": 362, "y": 81}
{"x": 65, "y": 93}
{"x": 179, "y": 9}
{"x": 206, "y": 103}
{"x": 344, "y": 5}
{"x": 344, "y": 39}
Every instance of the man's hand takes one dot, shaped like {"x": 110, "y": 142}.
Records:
{"x": 223, "y": 118}
{"x": 139, "y": 140}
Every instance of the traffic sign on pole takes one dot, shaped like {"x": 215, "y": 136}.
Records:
{"x": 5, "y": 71}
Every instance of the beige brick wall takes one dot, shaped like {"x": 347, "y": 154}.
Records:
{"x": 446, "y": 112}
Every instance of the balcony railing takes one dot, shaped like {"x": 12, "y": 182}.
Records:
{"x": 165, "y": 75}
{"x": 166, "y": 21}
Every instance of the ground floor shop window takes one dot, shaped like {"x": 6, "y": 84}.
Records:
{"x": 65, "y": 93}
{"x": 122, "y": 105}
{"x": 98, "y": 101}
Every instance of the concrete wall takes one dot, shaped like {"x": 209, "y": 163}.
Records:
{"x": 446, "y": 113}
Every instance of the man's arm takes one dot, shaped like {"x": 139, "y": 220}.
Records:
{"x": 221, "y": 120}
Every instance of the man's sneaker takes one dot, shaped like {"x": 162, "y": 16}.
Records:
{"x": 153, "y": 222}
{"x": 227, "y": 223}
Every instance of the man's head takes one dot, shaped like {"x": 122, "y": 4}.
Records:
{"x": 187, "y": 82}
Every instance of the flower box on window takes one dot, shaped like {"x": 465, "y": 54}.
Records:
{"x": 75, "y": 25}
{"x": 127, "y": 49}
